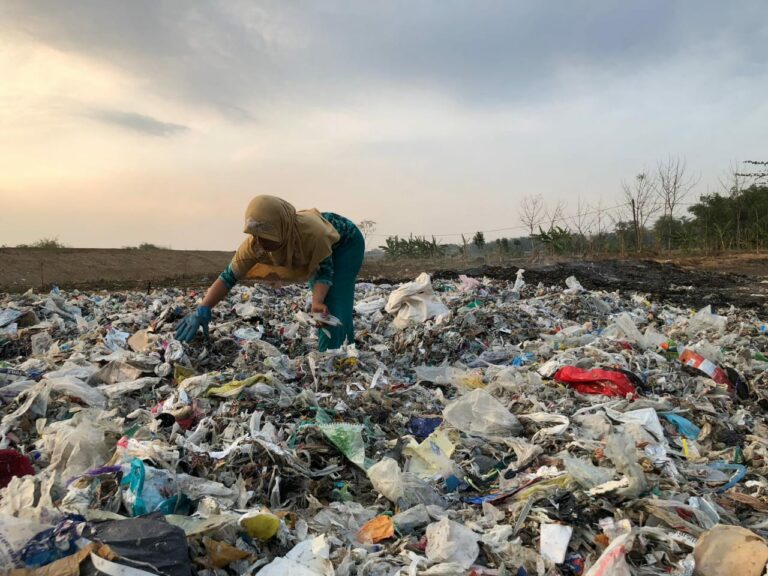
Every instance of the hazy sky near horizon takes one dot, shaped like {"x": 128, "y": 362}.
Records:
{"x": 157, "y": 120}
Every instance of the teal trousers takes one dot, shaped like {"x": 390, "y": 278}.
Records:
{"x": 347, "y": 260}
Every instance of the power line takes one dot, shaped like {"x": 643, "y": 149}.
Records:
{"x": 523, "y": 227}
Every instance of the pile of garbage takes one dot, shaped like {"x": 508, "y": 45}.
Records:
{"x": 477, "y": 427}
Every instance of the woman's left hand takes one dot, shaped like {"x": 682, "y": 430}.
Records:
{"x": 320, "y": 308}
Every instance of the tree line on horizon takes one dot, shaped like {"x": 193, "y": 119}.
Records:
{"x": 653, "y": 215}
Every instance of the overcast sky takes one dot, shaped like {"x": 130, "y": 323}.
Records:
{"x": 156, "y": 121}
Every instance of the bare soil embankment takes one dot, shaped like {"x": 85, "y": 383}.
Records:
{"x": 24, "y": 268}
{"x": 722, "y": 280}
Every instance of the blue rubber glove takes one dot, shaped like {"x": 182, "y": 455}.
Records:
{"x": 187, "y": 328}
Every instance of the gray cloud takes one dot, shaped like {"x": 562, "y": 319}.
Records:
{"x": 235, "y": 55}
{"x": 205, "y": 52}
{"x": 137, "y": 122}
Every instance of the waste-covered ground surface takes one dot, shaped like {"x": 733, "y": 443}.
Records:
{"x": 665, "y": 281}
{"x": 573, "y": 420}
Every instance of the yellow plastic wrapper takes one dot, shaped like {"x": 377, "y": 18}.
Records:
{"x": 376, "y": 530}
{"x": 340, "y": 363}
{"x": 473, "y": 380}
{"x": 181, "y": 373}
{"x": 541, "y": 489}
{"x": 261, "y": 524}
{"x": 432, "y": 456}
{"x": 236, "y": 386}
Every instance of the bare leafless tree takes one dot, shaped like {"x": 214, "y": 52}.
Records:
{"x": 556, "y": 215}
{"x": 367, "y": 227}
{"x": 674, "y": 183}
{"x": 531, "y": 212}
{"x": 465, "y": 247}
{"x": 582, "y": 223}
{"x": 642, "y": 202}
{"x": 600, "y": 221}
{"x": 732, "y": 181}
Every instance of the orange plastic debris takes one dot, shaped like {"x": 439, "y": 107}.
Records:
{"x": 376, "y": 530}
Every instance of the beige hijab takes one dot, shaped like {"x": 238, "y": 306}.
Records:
{"x": 305, "y": 239}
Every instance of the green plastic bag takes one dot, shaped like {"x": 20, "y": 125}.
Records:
{"x": 348, "y": 438}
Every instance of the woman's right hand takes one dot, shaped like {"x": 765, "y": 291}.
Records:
{"x": 187, "y": 328}
{"x": 319, "y": 308}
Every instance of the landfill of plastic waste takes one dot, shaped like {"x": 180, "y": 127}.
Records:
{"x": 478, "y": 427}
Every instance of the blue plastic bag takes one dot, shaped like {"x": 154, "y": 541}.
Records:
{"x": 684, "y": 426}
{"x": 423, "y": 427}
{"x": 740, "y": 471}
{"x": 54, "y": 543}
{"x": 153, "y": 492}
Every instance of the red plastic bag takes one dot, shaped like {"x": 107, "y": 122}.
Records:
{"x": 596, "y": 381}
{"x": 13, "y": 464}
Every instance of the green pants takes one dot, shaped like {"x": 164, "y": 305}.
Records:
{"x": 347, "y": 260}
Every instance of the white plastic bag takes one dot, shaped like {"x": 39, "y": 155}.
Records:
{"x": 480, "y": 414}
{"x": 450, "y": 375}
{"x": 307, "y": 558}
{"x": 82, "y": 372}
{"x": 630, "y": 330}
{"x": 402, "y": 488}
{"x": 14, "y": 534}
{"x": 368, "y": 307}
{"x": 449, "y": 541}
{"x": 645, "y": 417}
{"x": 586, "y": 474}
{"x": 415, "y": 302}
{"x": 554, "y": 540}
{"x": 75, "y": 445}
{"x": 120, "y": 388}
{"x": 29, "y": 497}
{"x": 519, "y": 282}
{"x": 387, "y": 479}
{"x": 35, "y": 402}
{"x": 76, "y": 388}
{"x": 705, "y": 320}
{"x": 41, "y": 343}
{"x": 653, "y": 338}
{"x": 247, "y": 310}
{"x": 574, "y": 286}
{"x": 613, "y": 560}
{"x": 561, "y": 423}
{"x": 621, "y": 451}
